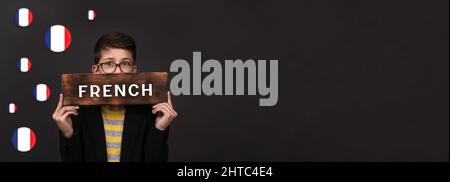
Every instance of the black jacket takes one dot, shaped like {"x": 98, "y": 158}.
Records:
{"x": 141, "y": 141}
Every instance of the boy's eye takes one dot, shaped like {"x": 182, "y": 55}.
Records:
{"x": 109, "y": 63}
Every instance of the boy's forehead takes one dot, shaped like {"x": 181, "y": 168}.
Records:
{"x": 116, "y": 53}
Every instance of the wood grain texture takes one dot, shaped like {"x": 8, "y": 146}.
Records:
{"x": 70, "y": 83}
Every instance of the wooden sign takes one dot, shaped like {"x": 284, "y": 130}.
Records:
{"x": 114, "y": 89}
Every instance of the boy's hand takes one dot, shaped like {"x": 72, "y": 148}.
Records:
{"x": 166, "y": 113}
{"x": 61, "y": 116}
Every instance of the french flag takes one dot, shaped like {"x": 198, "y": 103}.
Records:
{"x": 24, "y": 139}
{"x": 58, "y": 38}
{"x": 24, "y": 64}
{"x": 24, "y": 17}
{"x": 91, "y": 15}
{"x": 41, "y": 92}
{"x": 12, "y": 108}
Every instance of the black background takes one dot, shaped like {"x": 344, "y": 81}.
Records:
{"x": 358, "y": 80}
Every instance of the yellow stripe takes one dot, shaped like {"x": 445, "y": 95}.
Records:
{"x": 115, "y": 116}
{"x": 114, "y": 151}
{"x": 113, "y": 139}
{"x": 113, "y": 127}
{"x": 113, "y": 161}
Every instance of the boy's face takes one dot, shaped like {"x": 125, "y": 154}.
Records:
{"x": 114, "y": 60}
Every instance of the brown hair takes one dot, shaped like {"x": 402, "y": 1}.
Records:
{"x": 114, "y": 40}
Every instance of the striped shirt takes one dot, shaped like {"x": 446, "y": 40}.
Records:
{"x": 113, "y": 125}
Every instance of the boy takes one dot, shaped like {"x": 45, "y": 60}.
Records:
{"x": 114, "y": 133}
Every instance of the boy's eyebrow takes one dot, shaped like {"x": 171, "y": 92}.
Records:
{"x": 112, "y": 59}
{"x": 109, "y": 58}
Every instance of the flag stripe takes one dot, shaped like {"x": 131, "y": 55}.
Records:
{"x": 47, "y": 91}
{"x": 14, "y": 139}
{"x": 30, "y": 17}
{"x": 42, "y": 92}
{"x": 57, "y": 38}
{"x": 23, "y": 17}
{"x": 91, "y": 15}
{"x": 23, "y": 139}
{"x": 17, "y": 17}
{"x": 12, "y": 108}
{"x": 32, "y": 139}
{"x": 67, "y": 38}
{"x": 25, "y": 65}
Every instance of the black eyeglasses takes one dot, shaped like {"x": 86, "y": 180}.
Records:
{"x": 110, "y": 67}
